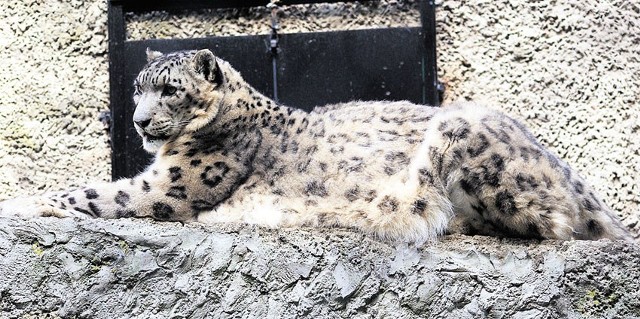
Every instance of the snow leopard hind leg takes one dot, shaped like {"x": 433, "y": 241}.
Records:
{"x": 502, "y": 182}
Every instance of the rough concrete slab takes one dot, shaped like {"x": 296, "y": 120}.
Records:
{"x": 144, "y": 269}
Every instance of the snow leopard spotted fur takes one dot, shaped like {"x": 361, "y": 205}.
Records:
{"x": 395, "y": 170}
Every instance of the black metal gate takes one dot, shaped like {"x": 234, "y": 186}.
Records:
{"x": 311, "y": 68}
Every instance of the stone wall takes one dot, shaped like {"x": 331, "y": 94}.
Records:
{"x": 54, "y": 83}
{"x": 143, "y": 269}
{"x": 569, "y": 69}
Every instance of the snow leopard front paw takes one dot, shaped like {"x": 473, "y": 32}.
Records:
{"x": 32, "y": 207}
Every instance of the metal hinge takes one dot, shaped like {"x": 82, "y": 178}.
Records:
{"x": 273, "y": 45}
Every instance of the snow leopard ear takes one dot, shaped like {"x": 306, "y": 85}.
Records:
{"x": 206, "y": 64}
{"x": 152, "y": 55}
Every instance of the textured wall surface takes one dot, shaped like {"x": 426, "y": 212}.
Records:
{"x": 298, "y": 18}
{"x": 144, "y": 269}
{"x": 569, "y": 69}
{"x": 53, "y": 85}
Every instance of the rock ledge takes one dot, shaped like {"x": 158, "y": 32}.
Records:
{"x": 140, "y": 268}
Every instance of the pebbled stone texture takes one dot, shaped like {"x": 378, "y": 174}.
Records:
{"x": 143, "y": 269}
{"x": 569, "y": 69}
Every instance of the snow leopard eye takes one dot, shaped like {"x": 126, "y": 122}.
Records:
{"x": 169, "y": 90}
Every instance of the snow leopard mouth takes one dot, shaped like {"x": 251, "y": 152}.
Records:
{"x": 151, "y": 137}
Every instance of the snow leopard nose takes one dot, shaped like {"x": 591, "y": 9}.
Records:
{"x": 143, "y": 123}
